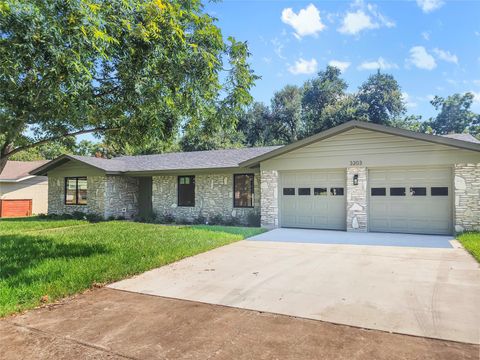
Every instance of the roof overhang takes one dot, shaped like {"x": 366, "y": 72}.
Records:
{"x": 63, "y": 159}
{"x": 366, "y": 126}
{"x": 16, "y": 180}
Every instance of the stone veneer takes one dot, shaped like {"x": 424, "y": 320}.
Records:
{"x": 467, "y": 197}
{"x": 269, "y": 201}
{"x": 357, "y": 200}
{"x": 213, "y": 196}
{"x": 95, "y": 196}
{"x": 121, "y": 196}
{"x": 106, "y": 196}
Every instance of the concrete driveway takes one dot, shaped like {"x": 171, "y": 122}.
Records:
{"x": 431, "y": 292}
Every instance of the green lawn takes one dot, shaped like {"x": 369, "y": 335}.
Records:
{"x": 58, "y": 258}
{"x": 471, "y": 242}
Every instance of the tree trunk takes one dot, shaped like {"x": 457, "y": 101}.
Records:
{"x": 4, "y": 156}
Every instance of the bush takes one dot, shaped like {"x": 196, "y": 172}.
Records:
{"x": 253, "y": 219}
{"x": 94, "y": 218}
{"x": 200, "y": 220}
{"x": 183, "y": 221}
{"x": 216, "y": 220}
{"x": 78, "y": 215}
{"x": 68, "y": 217}
{"x": 120, "y": 217}
{"x": 231, "y": 221}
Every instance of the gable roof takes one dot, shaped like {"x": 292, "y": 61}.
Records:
{"x": 15, "y": 171}
{"x": 194, "y": 160}
{"x": 442, "y": 140}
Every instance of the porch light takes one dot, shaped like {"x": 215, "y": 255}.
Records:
{"x": 355, "y": 179}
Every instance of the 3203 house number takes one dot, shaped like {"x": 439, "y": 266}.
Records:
{"x": 355, "y": 162}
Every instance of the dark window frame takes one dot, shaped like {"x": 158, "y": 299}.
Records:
{"x": 332, "y": 191}
{"x": 417, "y": 191}
{"x": 290, "y": 188}
{"x": 397, "y": 188}
{"x": 252, "y": 193}
{"x": 76, "y": 178}
{"x": 373, "y": 191}
{"x": 300, "y": 190}
{"x": 317, "y": 191}
{"x": 437, "y": 188}
{"x": 192, "y": 181}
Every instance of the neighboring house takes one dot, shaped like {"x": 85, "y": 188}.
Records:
{"x": 22, "y": 194}
{"x": 357, "y": 177}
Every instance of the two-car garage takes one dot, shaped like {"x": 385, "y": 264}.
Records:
{"x": 408, "y": 200}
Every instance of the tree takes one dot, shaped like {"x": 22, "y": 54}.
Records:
{"x": 383, "y": 96}
{"x": 131, "y": 70}
{"x": 325, "y": 90}
{"x": 286, "y": 111}
{"x": 345, "y": 109}
{"x": 257, "y": 126}
{"x": 454, "y": 114}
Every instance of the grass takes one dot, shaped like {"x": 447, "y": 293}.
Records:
{"x": 45, "y": 260}
{"x": 471, "y": 242}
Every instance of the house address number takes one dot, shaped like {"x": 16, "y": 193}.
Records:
{"x": 355, "y": 162}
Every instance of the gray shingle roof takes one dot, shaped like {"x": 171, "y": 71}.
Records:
{"x": 211, "y": 159}
{"x": 463, "y": 137}
{"x": 16, "y": 170}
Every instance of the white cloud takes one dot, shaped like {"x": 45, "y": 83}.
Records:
{"x": 278, "y": 48}
{"x": 365, "y": 17}
{"x": 426, "y": 35}
{"x": 306, "y": 22}
{"x": 381, "y": 64}
{"x": 342, "y": 65}
{"x": 429, "y": 5}
{"x": 408, "y": 100}
{"x": 303, "y": 66}
{"x": 446, "y": 55}
{"x": 421, "y": 58}
{"x": 267, "y": 60}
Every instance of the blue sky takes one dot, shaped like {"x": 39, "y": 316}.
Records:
{"x": 432, "y": 47}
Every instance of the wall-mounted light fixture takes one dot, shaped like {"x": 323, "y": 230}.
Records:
{"x": 355, "y": 179}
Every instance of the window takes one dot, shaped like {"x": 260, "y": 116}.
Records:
{"x": 186, "y": 191}
{"x": 439, "y": 191}
{"x": 378, "y": 191}
{"x": 320, "y": 191}
{"x": 397, "y": 191}
{"x": 418, "y": 191}
{"x": 76, "y": 191}
{"x": 336, "y": 191}
{"x": 288, "y": 191}
{"x": 303, "y": 191}
{"x": 243, "y": 190}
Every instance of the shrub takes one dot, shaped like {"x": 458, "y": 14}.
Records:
{"x": 182, "y": 221}
{"x": 216, "y": 220}
{"x": 78, "y": 215}
{"x": 200, "y": 220}
{"x": 94, "y": 218}
{"x": 43, "y": 216}
{"x": 68, "y": 217}
{"x": 166, "y": 218}
{"x": 253, "y": 219}
{"x": 120, "y": 217}
{"x": 231, "y": 221}
{"x": 111, "y": 218}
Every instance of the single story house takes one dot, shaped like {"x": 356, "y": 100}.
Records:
{"x": 22, "y": 194}
{"x": 357, "y": 177}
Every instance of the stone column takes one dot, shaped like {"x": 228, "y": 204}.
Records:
{"x": 269, "y": 198}
{"x": 467, "y": 197}
{"x": 357, "y": 218}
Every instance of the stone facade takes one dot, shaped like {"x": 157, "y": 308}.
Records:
{"x": 121, "y": 196}
{"x": 106, "y": 196}
{"x": 95, "y": 196}
{"x": 269, "y": 201}
{"x": 467, "y": 197}
{"x": 213, "y": 197}
{"x": 357, "y": 219}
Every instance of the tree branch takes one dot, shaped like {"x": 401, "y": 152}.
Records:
{"x": 44, "y": 141}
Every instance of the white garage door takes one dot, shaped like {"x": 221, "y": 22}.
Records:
{"x": 411, "y": 200}
{"x": 313, "y": 199}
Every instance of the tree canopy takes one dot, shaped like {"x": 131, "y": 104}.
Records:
{"x": 134, "y": 71}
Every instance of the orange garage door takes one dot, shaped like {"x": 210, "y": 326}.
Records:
{"x": 15, "y": 208}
